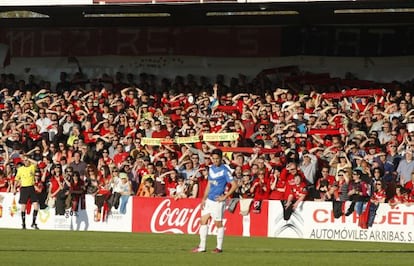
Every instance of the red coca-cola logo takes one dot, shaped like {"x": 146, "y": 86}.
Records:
{"x": 167, "y": 219}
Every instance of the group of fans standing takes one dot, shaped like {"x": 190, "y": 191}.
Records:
{"x": 114, "y": 138}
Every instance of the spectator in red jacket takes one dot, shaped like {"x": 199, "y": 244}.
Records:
{"x": 297, "y": 194}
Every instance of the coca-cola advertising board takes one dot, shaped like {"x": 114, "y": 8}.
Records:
{"x": 166, "y": 215}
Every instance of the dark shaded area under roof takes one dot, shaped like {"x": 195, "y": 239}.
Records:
{"x": 180, "y": 14}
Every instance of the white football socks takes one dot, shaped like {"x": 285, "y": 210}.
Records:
{"x": 220, "y": 237}
{"x": 203, "y": 237}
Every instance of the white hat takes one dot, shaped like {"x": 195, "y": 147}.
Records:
{"x": 123, "y": 175}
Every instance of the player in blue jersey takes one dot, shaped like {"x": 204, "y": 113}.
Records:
{"x": 213, "y": 202}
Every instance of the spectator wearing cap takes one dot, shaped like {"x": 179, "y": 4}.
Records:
{"x": 125, "y": 190}
{"x": 405, "y": 168}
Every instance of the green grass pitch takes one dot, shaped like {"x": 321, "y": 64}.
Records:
{"x": 30, "y": 247}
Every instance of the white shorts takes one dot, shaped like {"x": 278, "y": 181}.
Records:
{"x": 215, "y": 209}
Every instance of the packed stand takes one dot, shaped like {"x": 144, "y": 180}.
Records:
{"x": 294, "y": 142}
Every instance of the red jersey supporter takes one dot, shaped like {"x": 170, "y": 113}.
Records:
{"x": 277, "y": 185}
{"x": 39, "y": 185}
{"x": 128, "y": 95}
{"x": 171, "y": 183}
{"x": 88, "y": 136}
{"x": 379, "y": 195}
{"x": 260, "y": 187}
{"x": 33, "y": 133}
{"x": 120, "y": 155}
{"x": 77, "y": 190}
{"x": 106, "y": 160}
{"x": 4, "y": 183}
{"x": 297, "y": 192}
{"x": 288, "y": 176}
{"x": 240, "y": 161}
{"x": 215, "y": 126}
{"x": 131, "y": 128}
{"x": 325, "y": 176}
{"x": 409, "y": 186}
{"x": 399, "y": 197}
{"x": 56, "y": 186}
{"x": 249, "y": 123}
{"x": 202, "y": 181}
{"x": 159, "y": 131}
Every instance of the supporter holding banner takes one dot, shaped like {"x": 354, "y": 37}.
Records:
{"x": 191, "y": 139}
{"x": 220, "y": 136}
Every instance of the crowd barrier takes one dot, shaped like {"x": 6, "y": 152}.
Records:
{"x": 312, "y": 220}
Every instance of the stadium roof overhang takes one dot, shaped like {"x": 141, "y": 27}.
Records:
{"x": 213, "y": 13}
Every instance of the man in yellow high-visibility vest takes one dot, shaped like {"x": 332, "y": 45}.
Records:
{"x": 25, "y": 178}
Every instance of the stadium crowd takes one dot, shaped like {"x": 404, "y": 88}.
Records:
{"x": 113, "y": 137}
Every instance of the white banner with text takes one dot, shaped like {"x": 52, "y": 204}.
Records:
{"x": 315, "y": 220}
